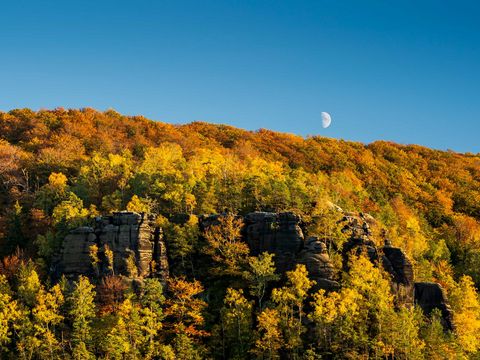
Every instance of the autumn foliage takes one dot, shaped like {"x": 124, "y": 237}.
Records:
{"x": 60, "y": 168}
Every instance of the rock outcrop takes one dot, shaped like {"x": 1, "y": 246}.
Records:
{"x": 132, "y": 236}
{"x": 282, "y": 235}
{"x": 315, "y": 257}
{"x": 127, "y": 235}
{"x": 430, "y": 296}
{"x": 393, "y": 259}
{"x": 397, "y": 264}
{"x": 279, "y": 234}
{"x": 74, "y": 258}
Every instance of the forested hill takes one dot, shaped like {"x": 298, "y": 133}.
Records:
{"x": 61, "y": 168}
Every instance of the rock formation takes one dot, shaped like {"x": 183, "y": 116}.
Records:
{"x": 393, "y": 259}
{"x": 279, "y": 234}
{"x": 74, "y": 258}
{"x": 317, "y": 261}
{"x": 125, "y": 234}
{"x": 430, "y": 296}
{"x": 282, "y": 235}
{"x": 397, "y": 264}
{"x": 130, "y": 235}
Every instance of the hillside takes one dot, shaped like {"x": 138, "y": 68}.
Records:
{"x": 59, "y": 169}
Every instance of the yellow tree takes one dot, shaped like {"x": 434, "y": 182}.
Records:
{"x": 226, "y": 247}
{"x": 261, "y": 271}
{"x": 466, "y": 305}
{"x": 162, "y": 172}
{"x": 125, "y": 338}
{"x": 399, "y": 334}
{"x": 140, "y": 205}
{"x": 46, "y": 316}
{"x": 268, "y": 335}
{"x": 9, "y": 313}
{"x": 184, "y": 308}
{"x": 237, "y": 321}
{"x": 289, "y": 302}
{"x": 375, "y": 302}
{"x": 336, "y": 316}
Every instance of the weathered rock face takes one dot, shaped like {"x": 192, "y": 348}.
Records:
{"x": 126, "y": 234}
{"x": 279, "y": 234}
{"x": 395, "y": 262}
{"x": 430, "y": 296}
{"x": 74, "y": 258}
{"x": 317, "y": 261}
{"x": 359, "y": 238}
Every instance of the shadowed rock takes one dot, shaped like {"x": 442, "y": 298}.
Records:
{"x": 430, "y": 296}
{"x": 279, "y": 234}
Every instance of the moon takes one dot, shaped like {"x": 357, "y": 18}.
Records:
{"x": 326, "y": 119}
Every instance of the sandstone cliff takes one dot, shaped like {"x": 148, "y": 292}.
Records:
{"x": 130, "y": 236}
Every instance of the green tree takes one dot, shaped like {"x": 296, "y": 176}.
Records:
{"x": 52, "y": 193}
{"x": 184, "y": 347}
{"x": 70, "y": 212}
{"x": 182, "y": 243}
{"x": 439, "y": 344}
{"x": 398, "y": 336}
{"x": 28, "y": 284}
{"x": 152, "y": 300}
{"x": 15, "y": 235}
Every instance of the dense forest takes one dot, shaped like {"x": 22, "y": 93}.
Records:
{"x": 60, "y": 169}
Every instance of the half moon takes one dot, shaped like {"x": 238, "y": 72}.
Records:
{"x": 326, "y": 119}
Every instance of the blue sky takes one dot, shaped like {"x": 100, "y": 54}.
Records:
{"x": 406, "y": 71}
